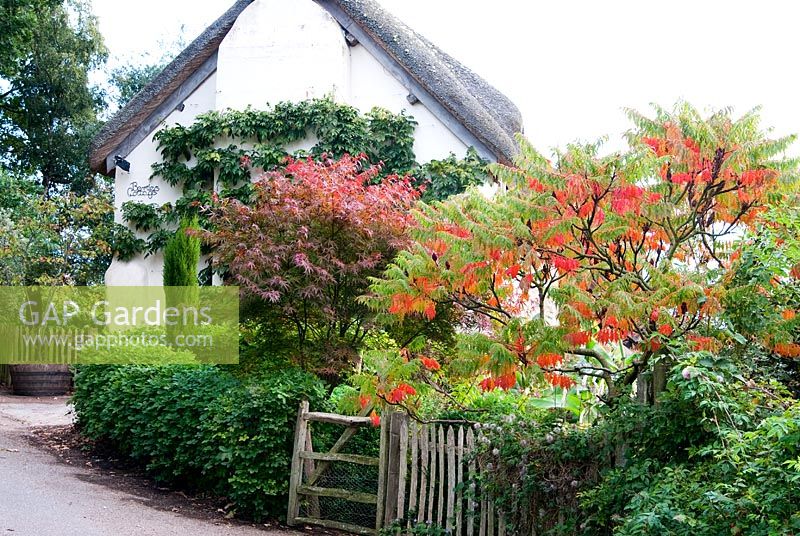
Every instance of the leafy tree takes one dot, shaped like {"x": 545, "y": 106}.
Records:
{"x": 764, "y": 288}
{"x": 127, "y": 80}
{"x": 451, "y": 175}
{"x": 590, "y": 266}
{"x": 47, "y": 106}
{"x": 763, "y": 292}
{"x": 17, "y": 22}
{"x": 67, "y": 239}
{"x": 303, "y": 251}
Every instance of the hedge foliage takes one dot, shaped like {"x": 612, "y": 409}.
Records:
{"x": 200, "y": 427}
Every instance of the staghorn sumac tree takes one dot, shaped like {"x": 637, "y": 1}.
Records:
{"x": 588, "y": 265}
{"x": 303, "y": 250}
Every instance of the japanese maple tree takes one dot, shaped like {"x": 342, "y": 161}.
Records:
{"x": 590, "y": 264}
{"x": 307, "y": 244}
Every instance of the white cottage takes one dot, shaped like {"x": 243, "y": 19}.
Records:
{"x": 267, "y": 51}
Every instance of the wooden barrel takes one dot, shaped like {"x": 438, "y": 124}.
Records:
{"x": 41, "y": 380}
{"x": 5, "y": 375}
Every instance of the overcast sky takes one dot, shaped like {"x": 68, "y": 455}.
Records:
{"x": 571, "y": 66}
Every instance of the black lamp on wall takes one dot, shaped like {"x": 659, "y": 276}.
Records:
{"x": 121, "y": 163}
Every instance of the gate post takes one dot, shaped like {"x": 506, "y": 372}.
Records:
{"x": 383, "y": 458}
{"x": 296, "y": 476}
{"x": 392, "y": 472}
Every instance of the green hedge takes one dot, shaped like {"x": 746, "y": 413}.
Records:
{"x": 200, "y": 427}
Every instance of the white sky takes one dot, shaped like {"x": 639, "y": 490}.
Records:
{"x": 569, "y": 65}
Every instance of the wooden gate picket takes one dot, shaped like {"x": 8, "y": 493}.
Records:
{"x": 428, "y": 470}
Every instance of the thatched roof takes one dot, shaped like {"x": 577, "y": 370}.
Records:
{"x": 439, "y": 81}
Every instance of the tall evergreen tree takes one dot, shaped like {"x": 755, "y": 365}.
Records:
{"x": 181, "y": 256}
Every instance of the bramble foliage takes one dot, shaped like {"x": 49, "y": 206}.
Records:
{"x": 305, "y": 246}
{"x": 718, "y": 455}
{"x": 743, "y": 480}
{"x": 625, "y": 251}
{"x": 198, "y": 427}
{"x": 407, "y": 527}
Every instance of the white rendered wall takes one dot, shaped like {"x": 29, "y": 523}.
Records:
{"x": 294, "y": 50}
{"x": 141, "y": 270}
{"x": 371, "y": 85}
{"x": 281, "y": 50}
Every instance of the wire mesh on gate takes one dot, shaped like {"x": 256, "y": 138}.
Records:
{"x": 350, "y": 477}
{"x": 342, "y": 475}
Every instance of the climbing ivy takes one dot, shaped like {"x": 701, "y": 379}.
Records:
{"x": 251, "y": 141}
{"x": 142, "y": 216}
{"x": 452, "y": 175}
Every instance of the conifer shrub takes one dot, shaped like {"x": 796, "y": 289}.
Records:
{"x": 181, "y": 255}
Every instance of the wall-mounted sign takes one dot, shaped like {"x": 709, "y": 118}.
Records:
{"x": 146, "y": 190}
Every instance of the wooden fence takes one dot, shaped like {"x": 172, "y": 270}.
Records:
{"x": 54, "y": 346}
{"x": 426, "y": 474}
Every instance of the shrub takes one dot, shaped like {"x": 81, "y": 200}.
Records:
{"x": 628, "y": 247}
{"x": 303, "y": 251}
{"x": 141, "y": 354}
{"x": 745, "y": 479}
{"x": 201, "y": 427}
{"x": 718, "y": 455}
{"x": 534, "y": 469}
{"x": 181, "y": 255}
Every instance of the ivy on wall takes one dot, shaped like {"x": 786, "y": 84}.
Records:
{"x": 230, "y": 147}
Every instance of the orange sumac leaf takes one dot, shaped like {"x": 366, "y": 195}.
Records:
{"x": 429, "y": 363}
{"x": 577, "y": 338}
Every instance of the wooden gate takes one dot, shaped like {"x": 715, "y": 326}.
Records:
{"x": 425, "y": 475}
{"x": 309, "y": 467}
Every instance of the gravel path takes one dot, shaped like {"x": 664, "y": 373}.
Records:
{"x": 40, "y": 496}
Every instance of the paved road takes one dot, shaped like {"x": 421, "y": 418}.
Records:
{"x": 39, "y": 496}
